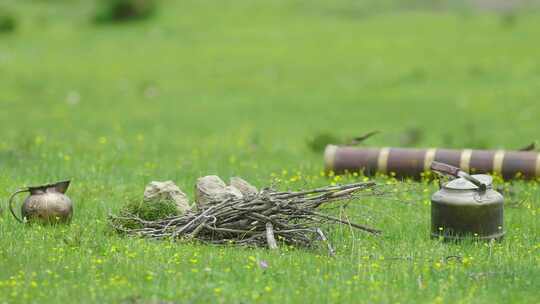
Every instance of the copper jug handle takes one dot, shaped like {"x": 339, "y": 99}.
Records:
{"x": 11, "y": 203}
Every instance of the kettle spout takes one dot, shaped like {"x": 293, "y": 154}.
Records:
{"x": 62, "y": 186}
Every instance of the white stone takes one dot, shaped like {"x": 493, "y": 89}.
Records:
{"x": 211, "y": 188}
{"x": 167, "y": 190}
{"x": 245, "y": 188}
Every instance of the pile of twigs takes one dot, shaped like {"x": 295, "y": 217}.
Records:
{"x": 260, "y": 219}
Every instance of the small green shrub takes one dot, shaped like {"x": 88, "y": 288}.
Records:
{"x": 8, "y": 23}
{"x": 149, "y": 211}
{"x": 124, "y": 10}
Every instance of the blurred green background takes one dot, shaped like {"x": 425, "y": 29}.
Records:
{"x": 114, "y": 94}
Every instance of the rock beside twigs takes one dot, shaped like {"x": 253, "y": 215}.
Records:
{"x": 243, "y": 186}
{"x": 211, "y": 189}
{"x": 167, "y": 191}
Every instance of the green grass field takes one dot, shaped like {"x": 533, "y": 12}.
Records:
{"x": 238, "y": 88}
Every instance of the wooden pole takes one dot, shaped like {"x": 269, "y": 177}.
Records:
{"x": 407, "y": 162}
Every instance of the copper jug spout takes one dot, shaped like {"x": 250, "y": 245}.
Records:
{"x": 62, "y": 186}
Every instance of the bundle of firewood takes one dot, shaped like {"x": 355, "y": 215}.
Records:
{"x": 264, "y": 218}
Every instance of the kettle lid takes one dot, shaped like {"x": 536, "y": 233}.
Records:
{"x": 463, "y": 184}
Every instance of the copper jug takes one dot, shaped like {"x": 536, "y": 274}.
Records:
{"x": 46, "y": 204}
{"x": 466, "y": 206}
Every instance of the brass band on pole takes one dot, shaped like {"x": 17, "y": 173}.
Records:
{"x": 330, "y": 156}
{"x": 429, "y": 158}
{"x": 465, "y": 160}
{"x": 498, "y": 160}
{"x": 382, "y": 160}
{"x": 537, "y": 171}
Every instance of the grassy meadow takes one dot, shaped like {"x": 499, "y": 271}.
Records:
{"x": 238, "y": 88}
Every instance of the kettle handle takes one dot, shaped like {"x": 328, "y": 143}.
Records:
{"x": 11, "y": 203}
{"x": 445, "y": 168}
{"x": 457, "y": 172}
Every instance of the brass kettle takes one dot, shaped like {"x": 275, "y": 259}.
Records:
{"x": 46, "y": 204}
{"x": 466, "y": 206}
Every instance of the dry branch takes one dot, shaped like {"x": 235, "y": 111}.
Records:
{"x": 262, "y": 219}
